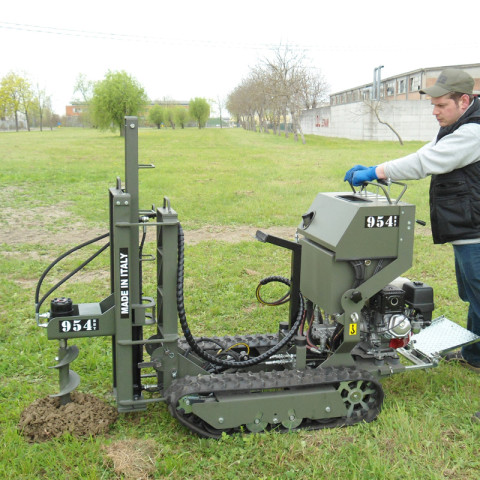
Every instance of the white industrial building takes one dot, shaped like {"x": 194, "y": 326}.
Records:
{"x": 362, "y": 113}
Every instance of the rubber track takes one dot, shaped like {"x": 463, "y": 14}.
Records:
{"x": 244, "y": 382}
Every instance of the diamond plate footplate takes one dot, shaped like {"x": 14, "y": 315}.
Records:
{"x": 442, "y": 336}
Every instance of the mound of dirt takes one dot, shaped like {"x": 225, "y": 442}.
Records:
{"x": 85, "y": 415}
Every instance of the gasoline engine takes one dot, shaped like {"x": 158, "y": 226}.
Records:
{"x": 352, "y": 320}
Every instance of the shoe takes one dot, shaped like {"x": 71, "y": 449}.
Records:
{"x": 476, "y": 417}
{"x": 454, "y": 356}
{"x": 457, "y": 357}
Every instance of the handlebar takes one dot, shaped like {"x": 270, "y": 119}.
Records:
{"x": 382, "y": 184}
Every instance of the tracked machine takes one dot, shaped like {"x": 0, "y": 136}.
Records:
{"x": 352, "y": 319}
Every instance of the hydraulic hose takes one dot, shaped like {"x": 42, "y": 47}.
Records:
{"x": 38, "y": 303}
{"x": 188, "y": 334}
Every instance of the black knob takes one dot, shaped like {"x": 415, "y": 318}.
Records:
{"x": 61, "y": 307}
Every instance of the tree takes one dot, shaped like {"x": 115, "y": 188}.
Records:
{"x": 13, "y": 92}
{"x": 42, "y": 102}
{"x": 84, "y": 88}
{"x": 25, "y": 95}
{"x": 156, "y": 115}
{"x": 275, "y": 92}
{"x": 375, "y": 106}
{"x": 170, "y": 116}
{"x": 181, "y": 114}
{"x": 117, "y": 95}
{"x": 199, "y": 110}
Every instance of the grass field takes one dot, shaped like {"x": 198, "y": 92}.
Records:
{"x": 223, "y": 183}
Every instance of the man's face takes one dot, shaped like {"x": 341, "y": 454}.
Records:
{"x": 447, "y": 110}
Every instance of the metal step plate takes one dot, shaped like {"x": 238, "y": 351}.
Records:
{"x": 440, "y": 337}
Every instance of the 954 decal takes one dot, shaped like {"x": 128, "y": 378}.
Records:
{"x": 84, "y": 325}
{"x": 381, "y": 221}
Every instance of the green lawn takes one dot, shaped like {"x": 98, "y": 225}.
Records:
{"x": 54, "y": 195}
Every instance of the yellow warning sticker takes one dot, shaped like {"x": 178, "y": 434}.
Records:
{"x": 353, "y": 329}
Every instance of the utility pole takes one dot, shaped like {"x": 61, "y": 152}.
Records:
{"x": 377, "y": 75}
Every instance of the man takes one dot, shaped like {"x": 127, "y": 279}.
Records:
{"x": 453, "y": 161}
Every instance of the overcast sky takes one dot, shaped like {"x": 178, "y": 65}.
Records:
{"x": 181, "y": 49}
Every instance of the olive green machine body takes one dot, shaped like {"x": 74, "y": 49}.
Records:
{"x": 347, "y": 251}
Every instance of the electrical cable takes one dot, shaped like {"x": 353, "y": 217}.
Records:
{"x": 191, "y": 340}
{"x": 265, "y": 281}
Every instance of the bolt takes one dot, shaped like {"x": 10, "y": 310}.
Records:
{"x": 354, "y": 317}
{"x": 132, "y": 125}
{"x": 257, "y": 421}
{"x": 292, "y": 417}
{"x": 221, "y": 420}
{"x": 328, "y": 409}
{"x": 118, "y": 202}
{"x": 275, "y": 420}
{"x": 125, "y": 202}
{"x": 174, "y": 374}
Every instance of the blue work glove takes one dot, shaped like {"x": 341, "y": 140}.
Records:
{"x": 349, "y": 174}
{"x": 362, "y": 176}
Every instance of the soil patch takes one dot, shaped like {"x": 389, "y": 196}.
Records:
{"x": 85, "y": 415}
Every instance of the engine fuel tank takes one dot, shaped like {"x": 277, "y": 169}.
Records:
{"x": 350, "y": 239}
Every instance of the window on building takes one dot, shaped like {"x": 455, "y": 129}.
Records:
{"x": 390, "y": 88}
{"x": 402, "y": 87}
{"x": 415, "y": 83}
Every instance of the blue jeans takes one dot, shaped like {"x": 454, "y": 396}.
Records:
{"x": 467, "y": 269}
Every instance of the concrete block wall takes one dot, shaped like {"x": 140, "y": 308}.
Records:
{"x": 412, "y": 119}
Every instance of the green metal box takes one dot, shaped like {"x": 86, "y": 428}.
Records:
{"x": 344, "y": 234}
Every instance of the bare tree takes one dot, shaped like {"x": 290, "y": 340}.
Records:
{"x": 41, "y": 101}
{"x": 220, "y": 104}
{"x": 375, "y": 106}
{"x": 289, "y": 75}
{"x": 276, "y": 91}
{"x": 84, "y": 88}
